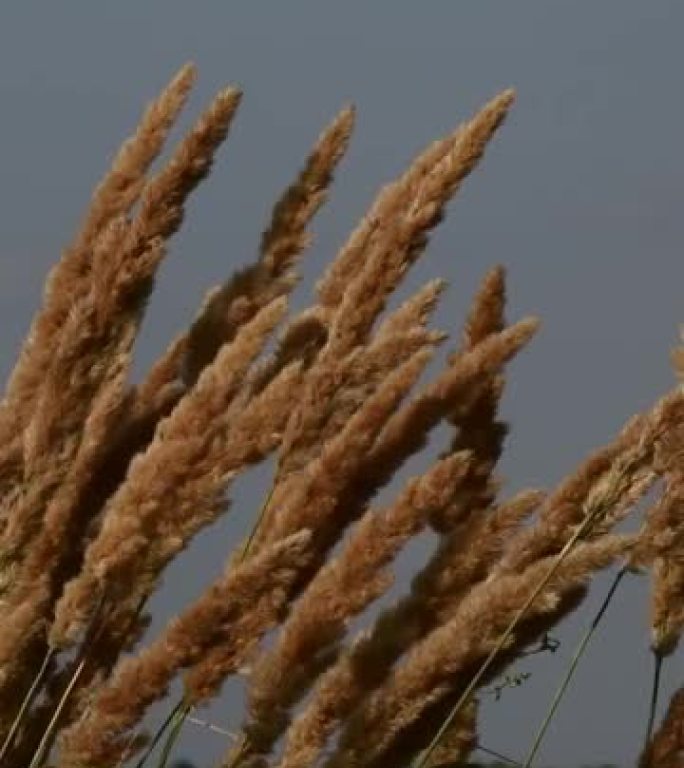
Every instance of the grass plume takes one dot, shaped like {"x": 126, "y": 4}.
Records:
{"x": 104, "y": 482}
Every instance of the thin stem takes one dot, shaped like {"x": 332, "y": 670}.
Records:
{"x": 159, "y": 734}
{"x": 91, "y": 636}
{"x": 178, "y": 721}
{"x": 39, "y": 754}
{"x": 26, "y": 703}
{"x": 657, "y": 669}
{"x": 498, "y": 755}
{"x": 573, "y": 666}
{"x": 581, "y": 530}
{"x": 257, "y": 525}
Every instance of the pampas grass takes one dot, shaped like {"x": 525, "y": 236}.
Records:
{"x": 103, "y": 483}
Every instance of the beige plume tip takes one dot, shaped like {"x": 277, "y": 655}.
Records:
{"x": 230, "y": 95}
{"x": 346, "y": 116}
{"x": 334, "y": 139}
{"x": 185, "y": 77}
{"x": 503, "y": 101}
{"x": 496, "y": 109}
{"x": 527, "y": 327}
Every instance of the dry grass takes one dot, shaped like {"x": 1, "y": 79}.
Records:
{"x": 103, "y": 483}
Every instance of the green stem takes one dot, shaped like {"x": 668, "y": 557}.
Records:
{"x": 39, "y": 754}
{"x": 177, "y": 722}
{"x": 159, "y": 734}
{"x": 571, "y": 669}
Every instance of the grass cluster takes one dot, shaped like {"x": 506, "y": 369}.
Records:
{"x": 104, "y": 482}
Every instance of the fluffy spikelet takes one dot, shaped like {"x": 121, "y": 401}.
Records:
{"x": 103, "y": 483}
{"x": 350, "y": 259}
{"x": 336, "y": 386}
{"x": 285, "y": 238}
{"x": 486, "y": 315}
{"x": 313, "y": 499}
{"x": 415, "y": 311}
{"x": 225, "y": 657}
{"x": 98, "y": 332}
{"x": 465, "y": 557}
{"x": 227, "y": 307}
{"x": 38, "y": 578}
{"x": 343, "y": 588}
{"x": 421, "y": 198}
{"x": 477, "y": 428}
{"x": 661, "y": 545}
{"x": 254, "y": 432}
{"x": 667, "y": 605}
{"x": 660, "y": 548}
{"x": 430, "y": 670}
{"x": 162, "y": 200}
{"x": 231, "y": 616}
{"x": 336, "y": 391}
{"x": 170, "y": 489}
{"x": 459, "y": 740}
{"x": 333, "y": 392}
{"x": 407, "y": 229}
{"x": 461, "y": 561}
{"x": 301, "y": 340}
{"x": 612, "y": 477}
{"x": 121, "y": 188}
{"x": 69, "y": 279}
{"x": 407, "y": 431}
{"x": 66, "y": 442}
{"x": 666, "y": 749}
{"x": 93, "y": 353}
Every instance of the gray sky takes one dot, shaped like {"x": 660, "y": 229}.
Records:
{"x": 580, "y": 197}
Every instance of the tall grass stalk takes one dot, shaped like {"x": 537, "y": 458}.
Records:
{"x": 591, "y": 518}
{"x": 574, "y": 662}
{"x": 41, "y": 753}
{"x": 27, "y": 701}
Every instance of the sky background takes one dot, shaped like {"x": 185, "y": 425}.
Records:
{"x": 580, "y": 197}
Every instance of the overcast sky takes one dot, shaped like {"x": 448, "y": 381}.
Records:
{"x": 580, "y": 196}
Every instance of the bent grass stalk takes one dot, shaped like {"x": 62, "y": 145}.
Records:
{"x": 581, "y": 530}
{"x": 579, "y": 652}
{"x": 176, "y": 724}
{"x": 49, "y": 732}
{"x": 40, "y": 752}
{"x": 159, "y": 734}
